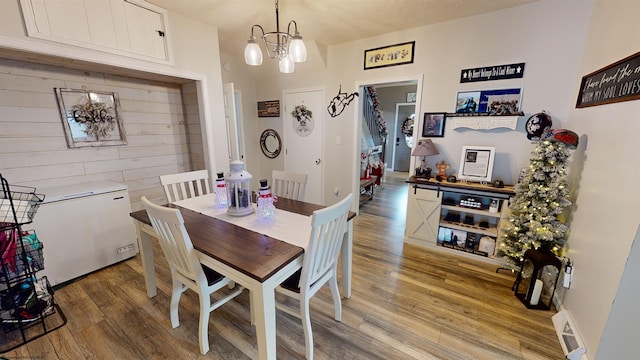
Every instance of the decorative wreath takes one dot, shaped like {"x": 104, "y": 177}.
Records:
{"x": 99, "y": 119}
{"x": 301, "y": 113}
{"x": 407, "y": 126}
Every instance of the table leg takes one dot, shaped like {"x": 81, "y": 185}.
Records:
{"x": 264, "y": 307}
{"x": 145, "y": 246}
{"x": 347, "y": 259}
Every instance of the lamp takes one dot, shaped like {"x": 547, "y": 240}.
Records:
{"x": 287, "y": 48}
{"x": 424, "y": 148}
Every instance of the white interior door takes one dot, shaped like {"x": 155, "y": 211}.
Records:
{"x": 303, "y": 140}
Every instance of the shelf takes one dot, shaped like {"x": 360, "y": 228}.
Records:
{"x": 484, "y": 121}
{"x": 471, "y": 211}
{"x": 490, "y": 231}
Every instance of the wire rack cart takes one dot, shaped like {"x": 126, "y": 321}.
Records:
{"x": 27, "y": 306}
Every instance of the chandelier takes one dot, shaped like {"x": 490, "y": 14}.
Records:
{"x": 287, "y": 48}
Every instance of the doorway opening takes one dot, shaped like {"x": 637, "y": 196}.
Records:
{"x": 390, "y": 92}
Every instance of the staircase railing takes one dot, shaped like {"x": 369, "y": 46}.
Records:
{"x": 373, "y": 120}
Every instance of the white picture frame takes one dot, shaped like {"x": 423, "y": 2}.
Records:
{"x": 476, "y": 163}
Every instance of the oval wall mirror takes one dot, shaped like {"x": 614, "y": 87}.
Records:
{"x": 270, "y": 143}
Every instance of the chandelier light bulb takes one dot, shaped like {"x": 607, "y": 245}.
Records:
{"x": 286, "y": 64}
{"x": 297, "y": 50}
{"x": 252, "y": 52}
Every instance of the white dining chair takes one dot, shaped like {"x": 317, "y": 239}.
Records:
{"x": 185, "y": 185}
{"x": 319, "y": 267}
{"x": 288, "y": 185}
{"x": 186, "y": 270}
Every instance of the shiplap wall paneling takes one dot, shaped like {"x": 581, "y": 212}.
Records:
{"x": 33, "y": 149}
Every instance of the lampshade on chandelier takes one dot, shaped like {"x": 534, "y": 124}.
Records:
{"x": 287, "y": 48}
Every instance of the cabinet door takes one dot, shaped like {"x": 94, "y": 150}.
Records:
{"x": 423, "y": 214}
{"x": 131, "y": 28}
{"x": 147, "y": 32}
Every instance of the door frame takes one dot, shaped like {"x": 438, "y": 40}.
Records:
{"x": 357, "y": 124}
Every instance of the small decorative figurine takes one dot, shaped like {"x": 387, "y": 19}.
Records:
{"x": 221, "y": 191}
{"x": 442, "y": 169}
{"x": 266, "y": 210}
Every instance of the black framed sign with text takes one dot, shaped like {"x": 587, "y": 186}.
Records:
{"x": 617, "y": 82}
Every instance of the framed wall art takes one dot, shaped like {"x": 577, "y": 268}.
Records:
{"x": 489, "y": 102}
{"x": 269, "y": 108}
{"x": 90, "y": 118}
{"x": 433, "y": 124}
{"x": 392, "y": 55}
{"x": 613, "y": 83}
{"x": 476, "y": 163}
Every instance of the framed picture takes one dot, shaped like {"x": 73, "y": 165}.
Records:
{"x": 411, "y": 97}
{"x": 392, "y": 55}
{"x": 90, "y": 118}
{"x": 490, "y": 102}
{"x": 269, "y": 108}
{"x": 467, "y": 102}
{"x": 476, "y": 163}
{"x": 433, "y": 124}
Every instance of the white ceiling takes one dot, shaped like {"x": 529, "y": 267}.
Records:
{"x": 328, "y": 22}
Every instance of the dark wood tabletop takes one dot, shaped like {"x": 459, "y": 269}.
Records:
{"x": 256, "y": 255}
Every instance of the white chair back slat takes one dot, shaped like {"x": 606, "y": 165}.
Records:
{"x": 289, "y": 185}
{"x": 185, "y": 185}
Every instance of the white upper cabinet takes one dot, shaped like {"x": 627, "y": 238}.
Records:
{"x": 130, "y": 28}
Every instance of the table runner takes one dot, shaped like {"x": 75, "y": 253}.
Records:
{"x": 289, "y": 227}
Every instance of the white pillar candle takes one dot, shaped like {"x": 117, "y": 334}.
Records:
{"x": 537, "y": 290}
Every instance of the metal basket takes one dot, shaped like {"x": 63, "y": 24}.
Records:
{"x": 18, "y": 205}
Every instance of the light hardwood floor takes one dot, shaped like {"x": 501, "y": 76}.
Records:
{"x": 407, "y": 303}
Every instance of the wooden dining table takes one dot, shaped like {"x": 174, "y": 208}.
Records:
{"x": 256, "y": 261}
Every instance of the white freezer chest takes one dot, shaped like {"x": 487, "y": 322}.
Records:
{"x": 84, "y": 228}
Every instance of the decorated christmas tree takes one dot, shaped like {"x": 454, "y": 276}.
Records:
{"x": 536, "y": 218}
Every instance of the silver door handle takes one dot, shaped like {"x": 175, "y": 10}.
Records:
{"x": 318, "y": 161}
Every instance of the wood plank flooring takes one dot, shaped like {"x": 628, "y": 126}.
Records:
{"x": 407, "y": 303}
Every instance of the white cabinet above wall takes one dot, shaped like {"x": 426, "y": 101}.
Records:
{"x": 132, "y": 28}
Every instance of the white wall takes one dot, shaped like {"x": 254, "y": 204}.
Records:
{"x": 607, "y": 212}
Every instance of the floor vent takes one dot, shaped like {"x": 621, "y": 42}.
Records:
{"x": 570, "y": 340}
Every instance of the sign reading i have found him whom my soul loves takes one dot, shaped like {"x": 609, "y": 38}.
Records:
{"x": 617, "y": 82}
